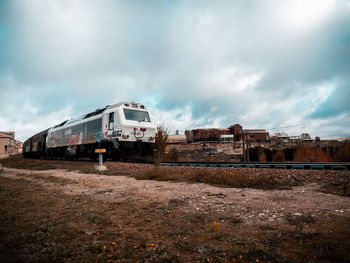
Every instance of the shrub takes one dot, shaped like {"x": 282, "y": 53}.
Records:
{"x": 161, "y": 139}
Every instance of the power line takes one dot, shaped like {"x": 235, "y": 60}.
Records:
{"x": 326, "y": 124}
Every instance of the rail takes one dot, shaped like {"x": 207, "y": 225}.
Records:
{"x": 270, "y": 165}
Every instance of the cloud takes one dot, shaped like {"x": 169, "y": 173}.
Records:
{"x": 198, "y": 64}
{"x": 337, "y": 103}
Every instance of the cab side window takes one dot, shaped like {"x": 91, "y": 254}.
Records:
{"x": 111, "y": 120}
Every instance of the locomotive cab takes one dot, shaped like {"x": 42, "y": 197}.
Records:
{"x": 131, "y": 128}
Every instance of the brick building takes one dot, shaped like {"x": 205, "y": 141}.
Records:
{"x": 215, "y": 135}
{"x": 256, "y": 135}
{"x": 203, "y": 135}
{"x": 237, "y": 131}
{"x": 8, "y": 144}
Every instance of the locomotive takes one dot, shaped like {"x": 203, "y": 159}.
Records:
{"x": 125, "y": 130}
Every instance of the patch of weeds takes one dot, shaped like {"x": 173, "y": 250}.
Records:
{"x": 197, "y": 218}
{"x": 153, "y": 174}
{"x": 175, "y": 203}
{"x": 18, "y": 162}
{"x": 231, "y": 220}
{"x": 299, "y": 220}
{"x": 331, "y": 250}
{"x": 50, "y": 179}
{"x": 268, "y": 227}
{"x": 247, "y": 251}
{"x": 337, "y": 186}
{"x": 301, "y": 236}
{"x": 184, "y": 245}
{"x": 225, "y": 178}
{"x": 162, "y": 254}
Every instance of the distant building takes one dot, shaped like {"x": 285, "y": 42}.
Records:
{"x": 227, "y": 138}
{"x": 205, "y": 135}
{"x": 237, "y": 131}
{"x": 176, "y": 139}
{"x": 305, "y": 137}
{"x": 256, "y": 135}
{"x": 280, "y": 137}
{"x": 12, "y": 134}
{"x": 8, "y": 145}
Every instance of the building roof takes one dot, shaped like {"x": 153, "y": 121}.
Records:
{"x": 5, "y": 136}
{"x": 8, "y": 133}
{"x": 174, "y": 138}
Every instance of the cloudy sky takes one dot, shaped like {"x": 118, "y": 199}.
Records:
{"x": 263, "y": 64}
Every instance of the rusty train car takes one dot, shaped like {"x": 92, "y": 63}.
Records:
{"x": 126, "y": 130}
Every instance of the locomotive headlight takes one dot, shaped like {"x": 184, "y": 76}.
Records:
{"x": 125, "y": 136}
{"x": 151, "y": 138}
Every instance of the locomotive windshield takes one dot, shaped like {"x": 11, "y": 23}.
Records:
{"x": 136, "y": 115}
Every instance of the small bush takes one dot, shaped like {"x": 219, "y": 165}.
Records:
{"x": 338, "y": 187}
{"x": 161, "y": 139}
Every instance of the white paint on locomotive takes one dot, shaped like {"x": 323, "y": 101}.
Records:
{"x": 127, "y": 122}
{"x": 123, "y": 128}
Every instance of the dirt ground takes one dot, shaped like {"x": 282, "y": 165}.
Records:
{"x": 61, "y": 211}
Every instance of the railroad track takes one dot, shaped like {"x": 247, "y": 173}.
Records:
{"x": 270, "y": 165}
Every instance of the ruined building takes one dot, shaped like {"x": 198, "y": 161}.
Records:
{"x": 217, "y": 135}
{"x": 8, "y": 144}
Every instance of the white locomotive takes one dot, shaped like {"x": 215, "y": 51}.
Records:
{"x": 125, "y": 130}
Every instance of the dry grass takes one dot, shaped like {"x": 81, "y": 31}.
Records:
{"x": 43, "y": 225}
{"x": 299, "y": 220}
{"x": 337, "y": 186}
{"x": 18, "y": 162}
{"x": 231, "y": 178}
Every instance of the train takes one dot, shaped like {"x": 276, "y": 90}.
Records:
{"x": 126, "y": 131}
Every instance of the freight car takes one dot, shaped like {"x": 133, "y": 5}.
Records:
{"x": 35, "y": 146}
{"x": 125, "y": 130}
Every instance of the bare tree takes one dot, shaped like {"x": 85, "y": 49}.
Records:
{"x": 161, "y": 141}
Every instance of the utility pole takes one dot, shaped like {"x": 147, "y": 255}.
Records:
{"x": 245, "y": 147}
{"x": 243, "y": 138}
{"x": 248, "y": 149}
